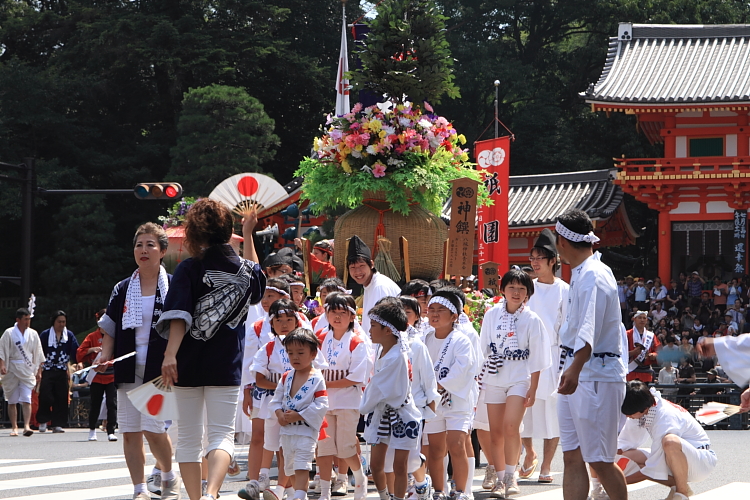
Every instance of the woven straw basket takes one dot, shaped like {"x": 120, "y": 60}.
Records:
{"x": 425, "y": 232}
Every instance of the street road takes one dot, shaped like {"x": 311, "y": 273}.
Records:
{"x": 68, "y": 467}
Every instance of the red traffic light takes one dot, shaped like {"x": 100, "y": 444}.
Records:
{"x": 157, "y": 191}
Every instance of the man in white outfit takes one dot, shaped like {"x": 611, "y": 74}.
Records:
{"x": 592, "y": 384}
{"x": 21, "y": 358}
{"x": 550, "y": 303}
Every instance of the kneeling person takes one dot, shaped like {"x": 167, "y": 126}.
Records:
{"x": 680, "y": 450}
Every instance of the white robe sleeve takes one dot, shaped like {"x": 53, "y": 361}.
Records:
{"x": 461, "y": 371}
{"x": 734, "y": 356}
{"x": 587, "y": 314}
{"x": 485, "y": 337}
{"x": 631, "y": 436}
{"x": 424, "y": 387}
{"x": 278, "y": 397}
{"x": 5, "y": 346}
{"x": 539, "y": 348}
{"x": 315, "y": 412}
{"x": 359, "y": 364}
{"x": 390, "y": 385}
{"x": 260, "y": 363}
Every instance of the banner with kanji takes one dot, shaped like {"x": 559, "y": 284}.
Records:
{"x": 740, "y": 242}
{"x": 493, "y": 160}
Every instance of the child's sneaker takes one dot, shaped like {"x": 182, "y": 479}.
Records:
{"x": 251, "y": 491}
{"x": 511, "y": 485}
{"x": 490, "y": 477}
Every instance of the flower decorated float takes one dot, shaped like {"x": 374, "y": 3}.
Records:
{"x": 391, "y": 163}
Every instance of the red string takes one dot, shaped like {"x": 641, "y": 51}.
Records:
{"x": 380, "y": 228}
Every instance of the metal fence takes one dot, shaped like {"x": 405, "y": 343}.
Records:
{"x": 78, "y": 413}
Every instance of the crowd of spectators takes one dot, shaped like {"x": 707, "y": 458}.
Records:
{"x": 681, "y": 313}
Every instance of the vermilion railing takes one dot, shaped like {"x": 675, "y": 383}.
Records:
{"x": 671, "y": 166}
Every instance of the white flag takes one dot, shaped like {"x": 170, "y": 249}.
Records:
{"x": 342, "y": 83}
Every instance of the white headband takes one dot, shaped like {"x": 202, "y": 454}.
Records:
{"x": 344, "y": 290}
{"x": 378, "y": 319}
{"x": 282, "y": 311}
{"x": 576, "y": 237}
{"x": 351, "y": 310}
{"x": 640, "y": 313}
{"x": 443, "y": 302}
{"x": 277, "y": 290}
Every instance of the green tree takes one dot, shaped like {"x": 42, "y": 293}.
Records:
{"x": 221, "y": 131}
{"x": 406, "y": 53}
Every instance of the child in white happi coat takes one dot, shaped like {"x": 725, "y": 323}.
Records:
{"x": 516, "y": 350}
{"x": 299, "y": 403}
{"x": 269, "y": 363}
{"x": 454, "y": 364}
{"x": 676, "y": 437}
{"x": 255, "y": 337}
{"x": 421, "y": 291}
{"x": 329, "y": 285}
{"x": 392, "y": 418}
{"x": 348, "y": 353}
{"x": 425, "y": 395}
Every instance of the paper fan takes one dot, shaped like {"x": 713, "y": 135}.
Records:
{"x": 713, "y": 412}
{"x": 628, "y": 466}
{"x": 155, "y": 400}
{"x": 243, "y": 192}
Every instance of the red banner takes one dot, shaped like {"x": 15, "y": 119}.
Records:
{"x": 493, "y": 160}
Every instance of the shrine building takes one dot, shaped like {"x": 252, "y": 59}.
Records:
{"x": 689, "y": 89}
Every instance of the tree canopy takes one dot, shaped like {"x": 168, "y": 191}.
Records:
{"x": 94, "y": 90}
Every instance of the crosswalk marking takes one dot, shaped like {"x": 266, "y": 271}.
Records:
{"x": 731, "y": 490}
{"x": 78, "y": 477}
{"x": 16, "y": 460}
{"x": 124, "y": 491}
{"x": 81, "y": 462}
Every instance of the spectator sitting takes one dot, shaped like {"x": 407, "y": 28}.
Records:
{"x": 670, "y": 352}
{"x": 720, "y": 294}
{"x": 686, "y": 345}
{"x": 738, "y": 315}
{"x": 685, "y": 375}
{"x": 687, "y": 319}
{"x": 721, "y": 331}
{"x": 657, "y": 293}
{"x": 698, "y": 326}
{"x": 721, "y": 374}
{"x": 735, "y": 292}
{"x": 712, "y": 377}
{"x": 732, "y": 328}
{"x": 668, "y": 376}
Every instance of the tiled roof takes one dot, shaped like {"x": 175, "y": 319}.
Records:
{"x": 537, "y": 200}
{"x": 662, "y": 64}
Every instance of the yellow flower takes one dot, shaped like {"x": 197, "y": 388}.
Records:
{"x": 375, "y": 125}
{"x": 464, "y": 157}
{"x": 462, "y": 139}
{"x": 382, "y": 134}
{"x": 358, "y": 147}
{"x": 345, "y": 166}
{"x": 316, "y": 144}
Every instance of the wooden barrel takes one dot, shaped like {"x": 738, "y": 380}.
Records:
{"x": 425, "y": 231}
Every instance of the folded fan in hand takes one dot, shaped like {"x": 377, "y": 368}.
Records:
{"x": 155, "y": 400}
{"x": 713, "y": 412}
{"x": 243, "y": 193}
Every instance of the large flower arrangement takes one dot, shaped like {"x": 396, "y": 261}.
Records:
{"x": 176, "y": 214}
{"x": 409, "y": 154}
{"x": 477, "y": 304}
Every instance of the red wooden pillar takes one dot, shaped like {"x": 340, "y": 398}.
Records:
{"x": 665, "y": 246}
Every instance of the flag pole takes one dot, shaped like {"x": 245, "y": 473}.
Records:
{"x": 342, "y": 84}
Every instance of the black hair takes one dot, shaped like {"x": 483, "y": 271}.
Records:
{"x": 56, "y": 315}
{"x": 331, "y": 284}
{"x": 638, "y": 398}
{"x": 282, "y": 305}
{"x": 350, "y": 261}
{"x": 527, "y": 269}
{"x": 391, "y": 310}
{"x": 450, "y": 294}
{"x": 410, "y": 302}
{"x": 338, "y": 301}
{"x": 457, "y": 292}
{"x": 520, "y": 277}
{"x": 439, "y": 283}
{"x": 302, "y": 336}
{"x": 279, "y": 283}
{"x": 21, "y": 312}
{"x": 579, "y": 222}
{"x": 293, "y": 279}
{"x": 417, "y": 288}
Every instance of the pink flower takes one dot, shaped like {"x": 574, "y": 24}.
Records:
{"x": 378, "y": 170}
{"x": 428, "y": 107}
{"x": 357, "y": 108}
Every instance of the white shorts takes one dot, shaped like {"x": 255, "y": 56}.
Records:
{"x": 413, "y": 462}
{"x": 129, "y": 419}
{"x": 700, "y": 463}
{"x": 494, "y": 395}
{"x": 481, "y": 419}
{"x": 540, "y": 421}
{"x": 21, "y": 394}
{"x": 448, "y": 420}
{"x": 271, "y": 431}
{"x": 589, "y": 419}
{"x": 299, "y": 452}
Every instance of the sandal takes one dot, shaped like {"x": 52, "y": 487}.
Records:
{"x": 28, "y": 432}
{"x": 545, "y": 478}
{"x": 234, "y": 468}
{"x": 526, "y": 473}
{"x": 14, "y": 433}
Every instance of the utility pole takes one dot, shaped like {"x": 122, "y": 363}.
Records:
{"x": 27, "y": 204}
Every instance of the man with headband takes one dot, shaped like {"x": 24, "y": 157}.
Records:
{"x": 592, "y": 385}
{"x": 642, "y": 347}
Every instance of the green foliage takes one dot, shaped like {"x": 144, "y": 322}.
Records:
{"x": 421, "y": 181}
{"x": 406, "y": 53}
{"x": 222, "y": 131}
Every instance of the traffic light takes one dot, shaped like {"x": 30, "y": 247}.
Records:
{"x": 158, "y": 191}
